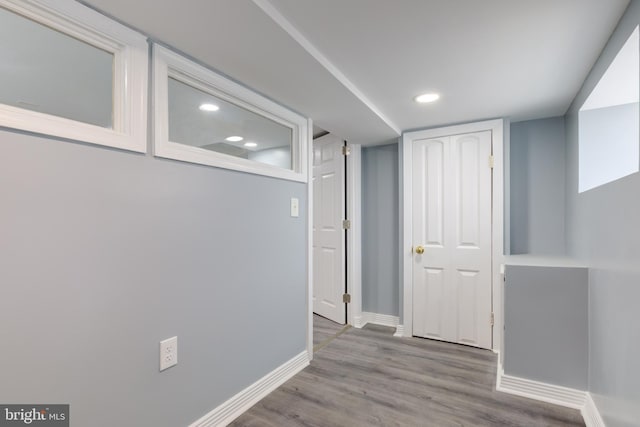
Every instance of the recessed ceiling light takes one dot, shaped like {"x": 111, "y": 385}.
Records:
{"x": 209, "y": 107}
{"x": 234, "y": 138}
{"x": 250, "y": 144}
{"x": 427, "y": 97}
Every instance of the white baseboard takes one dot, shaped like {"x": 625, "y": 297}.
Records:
{"x": 379, "y": 319}
{"x": 399, "y": 331}
{"x": 590, "y": 413}
{"x": 376, "y": 319}
{"x": 238, "y": 404}
{"x": 549, "y": 393}
{"x": 357, "y": 322}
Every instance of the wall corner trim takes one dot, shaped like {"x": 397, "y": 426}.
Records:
{"x": 590, "y": 413}
{"x": 557, "y": 395}
{"x": 238, "y": 404}
{"x": 399, "y": 331}
{"x": 378, "y": 319}
{"x": 358, "y": 321}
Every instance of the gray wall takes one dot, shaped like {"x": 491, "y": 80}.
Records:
{"x": 104, "y": 253}
{"x": 537, "y": 181}
{"x": 545, "y": 324}
{"x": 380, "y": 225}
{"x": 603, "y": 230}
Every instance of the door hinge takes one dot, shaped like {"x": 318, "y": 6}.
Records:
{"x": 491, "y": 162}
{"x": 346, "y": 150}
{"x": 346, "y": 298}
{"x": 492, "y": 319}
{"x": 346, "y": 224}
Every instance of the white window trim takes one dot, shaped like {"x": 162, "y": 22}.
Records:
{"x": 130, "y": 71}
{"x": 169, "y": 64}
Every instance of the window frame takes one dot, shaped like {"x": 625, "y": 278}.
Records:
{"x": 130, "y": 71}
{"x": 168, "y": 64}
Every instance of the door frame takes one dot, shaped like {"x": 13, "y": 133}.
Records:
{"x": 353, "y": 180}
{"x": 497, "y": 219}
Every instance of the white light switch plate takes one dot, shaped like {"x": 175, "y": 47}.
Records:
{"x": 168, "y": 353}
{"x": 295, "y": 207}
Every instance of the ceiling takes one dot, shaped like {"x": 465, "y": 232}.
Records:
{"x": 354, "y": 66}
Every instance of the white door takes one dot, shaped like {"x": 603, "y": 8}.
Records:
{"x": 452, "y": 224}
{"x": 328, "y": 234}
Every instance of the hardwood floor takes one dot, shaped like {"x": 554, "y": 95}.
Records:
{"x": 367, "y": 377}
{"x": 324, "y": 329}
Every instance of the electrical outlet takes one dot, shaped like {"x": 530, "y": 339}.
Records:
{"x": 168, "y": 353}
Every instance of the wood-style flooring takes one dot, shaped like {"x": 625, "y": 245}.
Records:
{"x": 324, "y": 330}
{"x": 367, "y": 377}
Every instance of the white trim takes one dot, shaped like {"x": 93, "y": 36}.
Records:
{"x": 497, "y": 129}
{"x": 557, "y": 395}
{"x": 406, "y": 244}
{"x": 507, "y": 185}
{"x": 377, "y": 319}
{"x": 238, "y": 404}
{"x": 354, "y": 234}
{"x": 169, "y": 64}
{"x": 399, "y": 331}
{"x": 130, "y": 59}
{"x": 357, "y": 321}
{"x": 310, "y": 242}
{"x": 296, "y": 35}
{"x": 590, "y": 413}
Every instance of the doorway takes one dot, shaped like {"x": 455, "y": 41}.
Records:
{"x": 452, "y": 233}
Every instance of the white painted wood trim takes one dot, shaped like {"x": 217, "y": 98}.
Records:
{"x": 310, "y": 242}
{"x": 377, "y": 319}
{"x": 238, "y": 404}
{"x": 399, "y": 331}
{"x": 130, "y": 73}
{"x": 357, "y": 321}
{"x": 497, "y": 129}
{"x": 591, "y": 414}
{"x": 557, "y": 395}
{"x": 507, "y": 185}
{"x": 170, "y": 64}
{"x": 354, "y": 235}
{"x": 406, "y": 243}
{"x": 296, "y": 35}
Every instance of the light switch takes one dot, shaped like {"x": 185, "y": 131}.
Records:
{"x": 295, "y": 207}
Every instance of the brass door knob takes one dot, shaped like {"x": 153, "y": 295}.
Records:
{"x": 419, "y": 250}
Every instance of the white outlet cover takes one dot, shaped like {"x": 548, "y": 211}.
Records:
{"x": 295, "y": 207}
{"x": 168, "y": 353}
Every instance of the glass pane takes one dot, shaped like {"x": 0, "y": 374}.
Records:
{"x": 201, "y": 120}
{"x": 46, "y": 71}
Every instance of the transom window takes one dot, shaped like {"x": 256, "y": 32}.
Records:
{"x": 202, "y": 117}
{"x": 70, "y": 72}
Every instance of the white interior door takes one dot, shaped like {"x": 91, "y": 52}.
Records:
{"x": 452, "y": 224}
{"x": 328, "y": 234}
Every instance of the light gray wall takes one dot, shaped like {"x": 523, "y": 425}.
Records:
{"x": 545, "y": 326}
{"x": 537, "y": 185}
{"x": 380, "y": 225}
{"x": 603, "y": 230}
{"x": 103, "y": 253}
